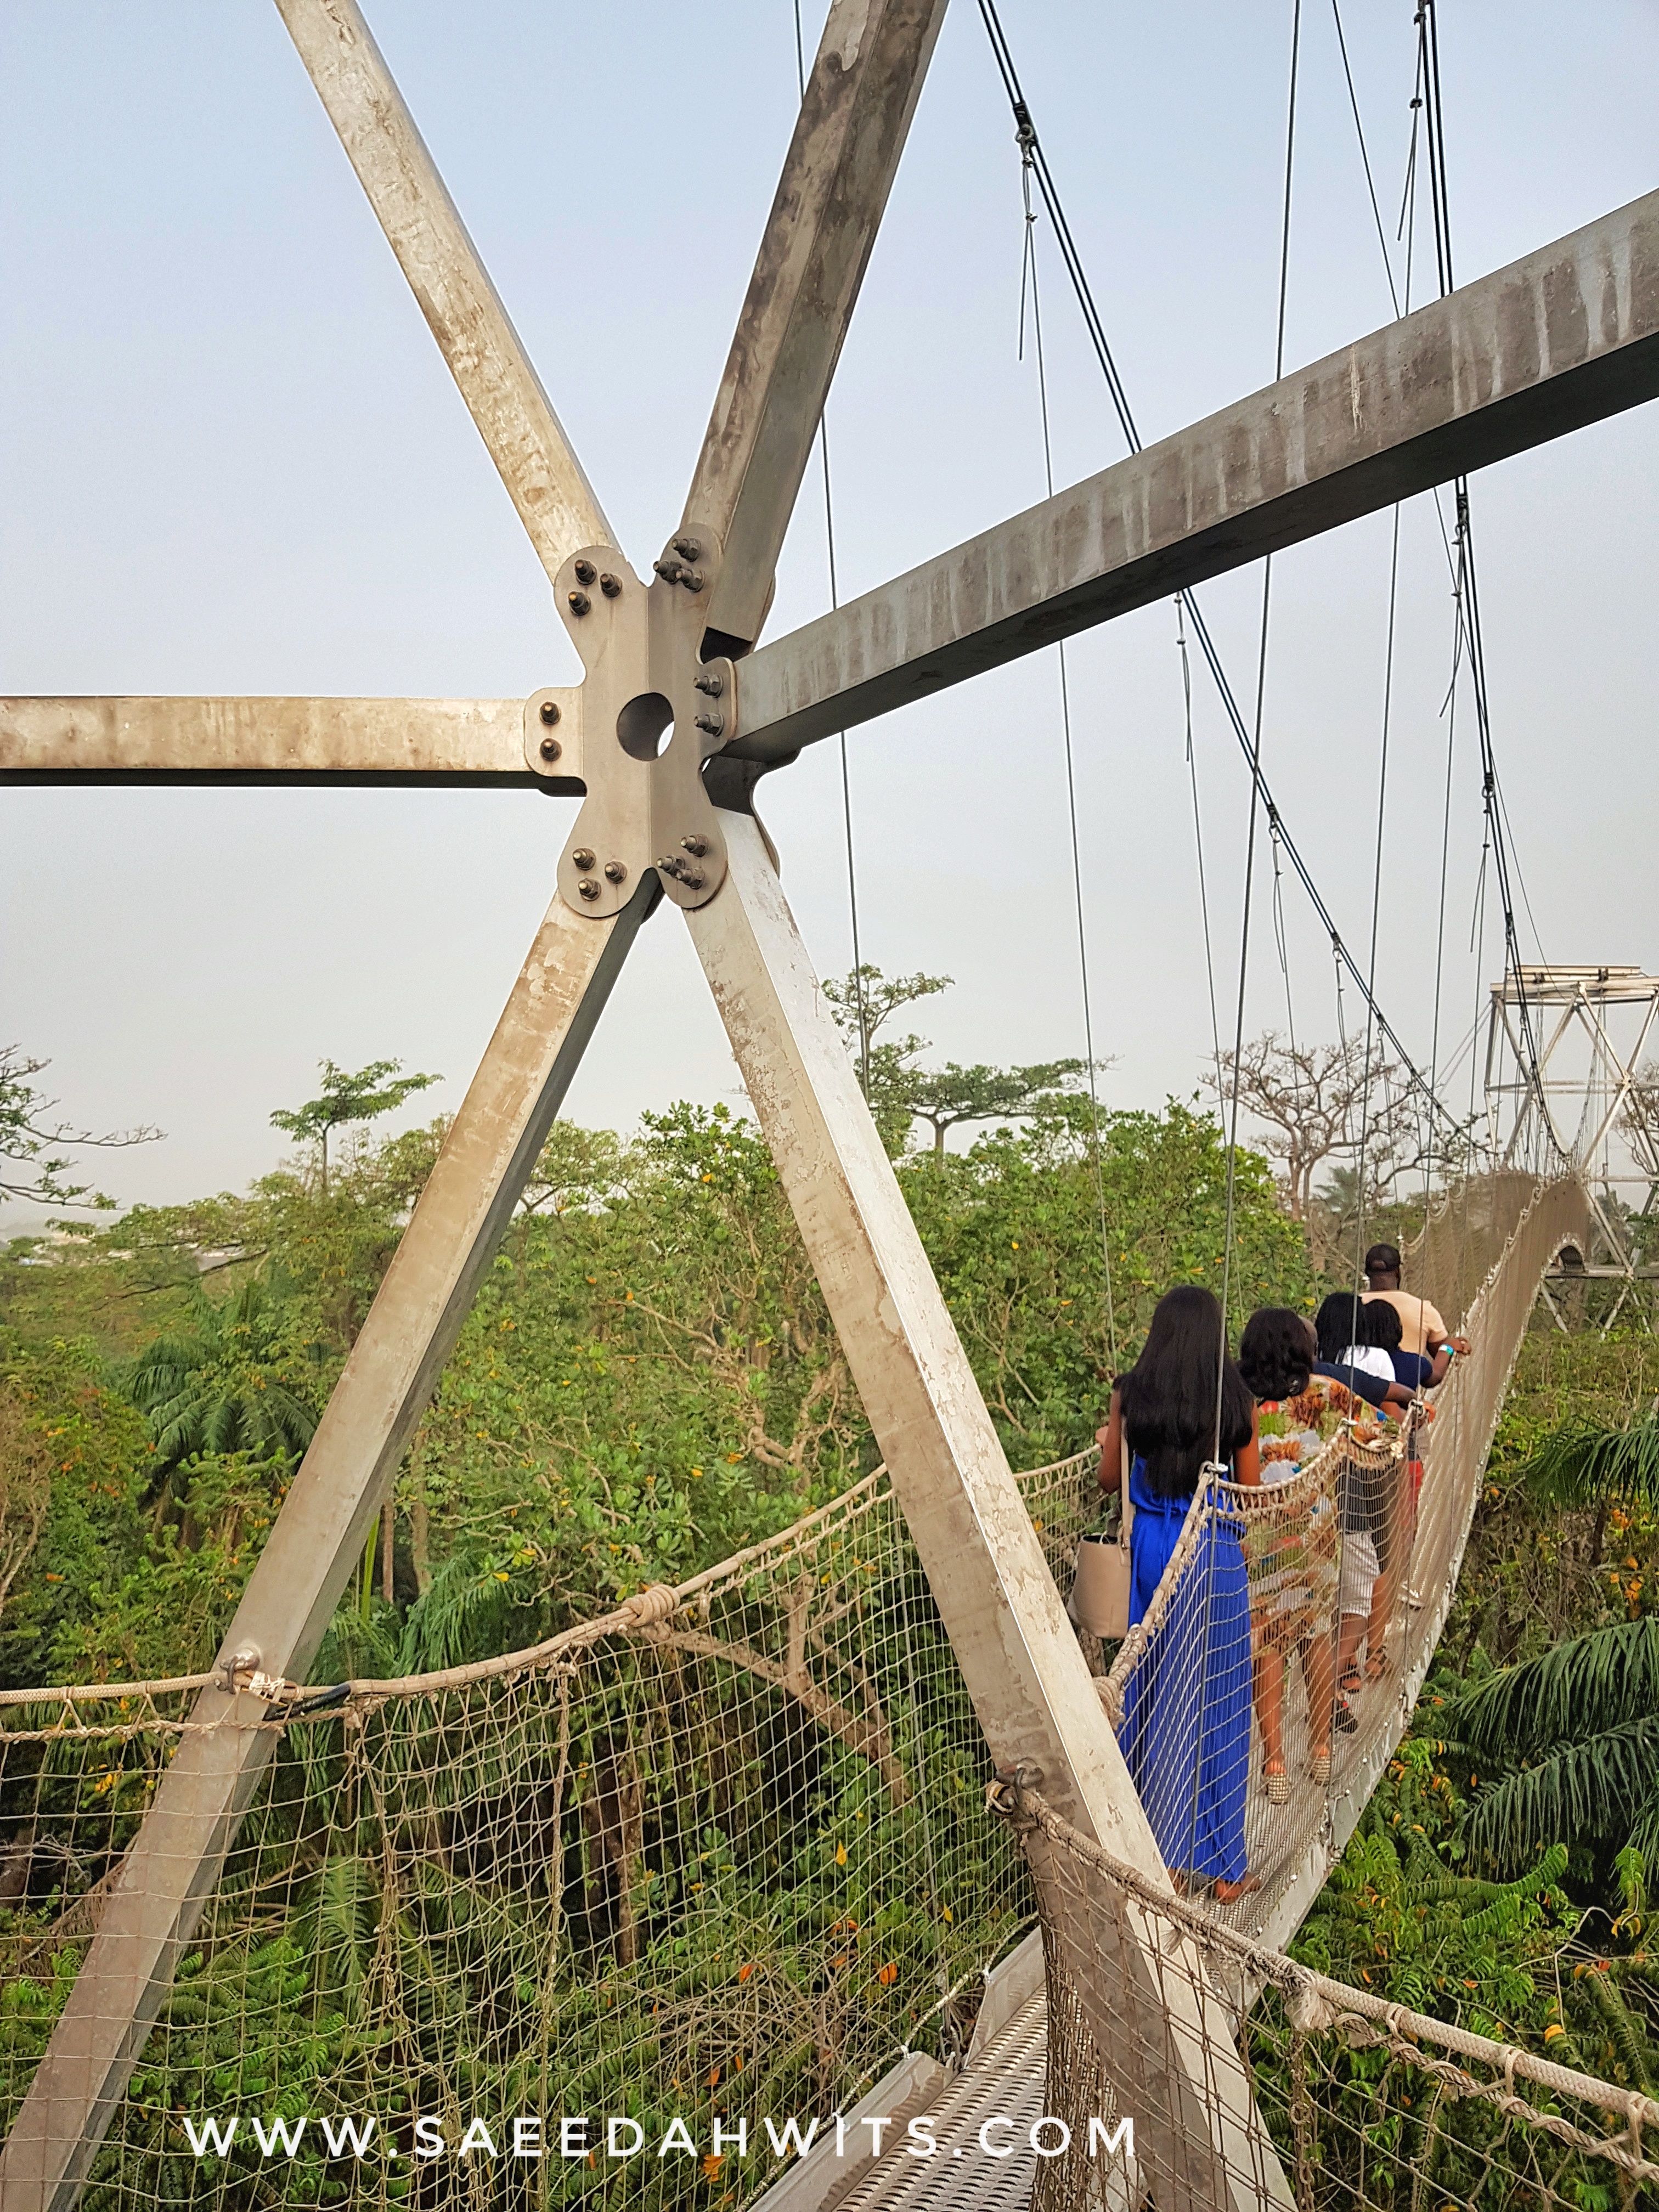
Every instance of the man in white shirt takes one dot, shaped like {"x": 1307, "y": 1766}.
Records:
{"x": 1422, "y": 1330}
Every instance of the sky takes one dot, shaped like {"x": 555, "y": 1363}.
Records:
{"x": 231, "y": 460}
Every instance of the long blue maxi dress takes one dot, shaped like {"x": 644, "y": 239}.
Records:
{"x": 1186, "y": 1734}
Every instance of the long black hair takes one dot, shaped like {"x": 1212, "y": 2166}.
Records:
{"x": 1340, "y": 1322}
{"x": 1275, "y": 1353}
{"x": 1168, "y": 1401}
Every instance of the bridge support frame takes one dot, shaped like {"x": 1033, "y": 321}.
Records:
{"x": 1568, "y": 335}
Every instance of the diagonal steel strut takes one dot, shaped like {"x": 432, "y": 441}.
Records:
{"x": 1200, "y": 2140}
{"x": 325, "y": 1520}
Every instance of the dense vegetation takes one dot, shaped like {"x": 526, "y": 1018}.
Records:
{"x": 649, "y": 1382}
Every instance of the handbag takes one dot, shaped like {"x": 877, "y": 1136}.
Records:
{"x": 1102, "y": 1578}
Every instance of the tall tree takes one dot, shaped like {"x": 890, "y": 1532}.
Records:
{"x": 35, "y": 1150}
{"x": 373, "y": 1090}
{"x": 900, "y": 1091}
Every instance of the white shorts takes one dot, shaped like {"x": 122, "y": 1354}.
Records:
{"x": 1360, "y": 1569}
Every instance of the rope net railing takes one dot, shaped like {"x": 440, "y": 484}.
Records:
{"x": 720, "y": 1855}
{"x": 715, "y": 1859}
{"x": 1359, "y": 2102}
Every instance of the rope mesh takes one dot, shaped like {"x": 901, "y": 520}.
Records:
{"x": 722, "y": 1855}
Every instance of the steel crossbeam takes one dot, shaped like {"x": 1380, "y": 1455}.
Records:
{"x": 1569, "y": 335}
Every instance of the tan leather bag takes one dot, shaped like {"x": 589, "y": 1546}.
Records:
{"x": 1102, "y": 1580}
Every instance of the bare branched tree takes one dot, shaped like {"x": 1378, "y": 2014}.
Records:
{"x": 35, "y": 1150}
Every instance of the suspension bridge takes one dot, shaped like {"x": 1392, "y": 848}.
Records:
{"x": 525, "y": 1873}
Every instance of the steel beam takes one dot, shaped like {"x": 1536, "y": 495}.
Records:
{"x": 545, "y": 481}
{"x": 853, "y": 121}
{"x": 1563, "y": 339}
{"x": 1031, "y": 1690}
{"x": 171, "y": 1870}
{"x": 371, "y": 742}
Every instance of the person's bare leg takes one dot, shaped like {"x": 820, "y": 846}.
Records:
{"x": 1319, "y": 1670}
{"x": 1270, "y": 1704}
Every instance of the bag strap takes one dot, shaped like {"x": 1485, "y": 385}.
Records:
{"x": 1129, "y": 1503}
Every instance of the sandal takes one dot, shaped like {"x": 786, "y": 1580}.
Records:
{"x": 1319, "y": 1766}
{"x": 1350, "y": 1681}
{"x": 1343, "y": 1716}
{"x": 1225, "y": 1892}
{"x": 1378, "y": 1666}
{"x": 1276, "y": 1785}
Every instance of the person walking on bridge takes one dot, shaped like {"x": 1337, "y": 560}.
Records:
{"x": 1422, "y": 1330}
{"x": 1181, "y": 1409}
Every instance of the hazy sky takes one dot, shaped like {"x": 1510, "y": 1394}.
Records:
{"x": 231, "y": 460}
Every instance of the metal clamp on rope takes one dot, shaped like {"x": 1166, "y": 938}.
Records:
{"x": 1002, "y": 1794}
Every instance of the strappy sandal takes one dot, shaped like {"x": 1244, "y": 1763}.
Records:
{"x": 1342, "y": 1717}
{"x": 1378, "y": 1666}
{"x": 1225, "y": 1892}
{"x": 1276, "y": 1785}
{"x": 1319, "y": 1767}
{"x": 1350, "y": 1681}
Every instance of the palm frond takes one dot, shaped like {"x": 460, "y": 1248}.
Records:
{"x": 1591, "y": 1790}
{"x": 1583, "y": 1464}
{"x": 1578, "y": 1690}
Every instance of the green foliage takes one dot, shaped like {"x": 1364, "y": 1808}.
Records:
{"x": 229, "y": 1385}
{"x": 373, "y": 1090}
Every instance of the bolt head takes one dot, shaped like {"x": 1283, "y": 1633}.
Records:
{"x": 689, "y": 548}
{"x": 610, "y": 584}
{"x": 693, "y": 579}
{"x": 670, "y": 864}
{"x": 710, "y": 724}
{"x": 614, "y": 872}
{"x": 580, "y": 603}
{"x": 586, "y": 572}
{"x": 696, "y": 846}
{"x": 692, "y": 878}
{"x": 550, "y": 749}
{"x": 587, "y": 887}
{"x": 710, "y": 685}
{"x": 582, "y": 860}
{"x": 549, "y": 711}
{"x": 668, "y": 570}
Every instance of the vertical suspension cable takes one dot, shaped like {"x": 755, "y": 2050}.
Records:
{"x": 1255, "y": 746}
{"x": 1028, "y": 274}
{"x": 859, "y": 995}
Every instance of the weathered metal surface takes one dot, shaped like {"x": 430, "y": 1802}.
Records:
{"x": 860, "y": 95}
{"x": 545, "y": 481}
{"x": 320, "y": 1534}
{"x": 1562, "y": 338}
{"x": 1019, "y": 1657}
{"x": 646, "y": 806}
{"x": 372, "y": 742}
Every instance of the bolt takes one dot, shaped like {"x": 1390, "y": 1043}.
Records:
{"x": 696, "y": 846}
{"x": 609, "y": 585}
{"x": 614, "y": 872}
{"x": 580, "y": 603}
{"x": 588, "y": 888}
{"x": 583, "y": 859}
{"x": 692, "y": 878}
{"x": 711, "y": 724}
{"x": 668, "y": 570}
{"x": 549, "y": 711}
{"x": 711, "y": 685}
{"x": 689, "y": 549}
{"x": 692, "y": 579}
{"x": 586, "y": 572}
{"x": 670, "y": 864}
{"x": 551, "y": 749}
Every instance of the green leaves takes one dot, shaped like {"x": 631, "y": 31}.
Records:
{"x": 228, "y": 1383}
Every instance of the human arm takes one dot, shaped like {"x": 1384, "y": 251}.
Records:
{"x": 1438, "y": 1363}
{"x": 1247, "y": 1460}
{"x": 1110, "y": 1440}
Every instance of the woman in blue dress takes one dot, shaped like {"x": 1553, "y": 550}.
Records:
{"x": 1186, "y": 1733}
